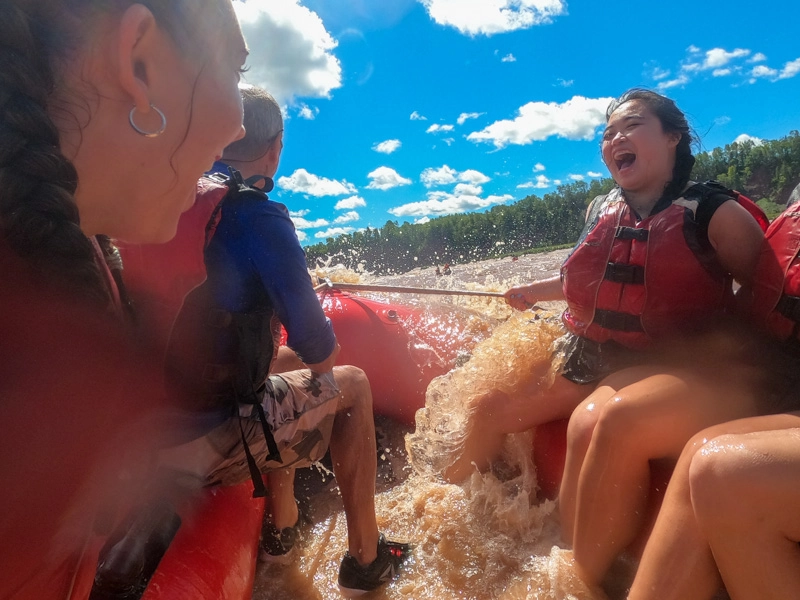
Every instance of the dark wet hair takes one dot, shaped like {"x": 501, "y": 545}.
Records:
{"x": 672, "y": 121}
{"x": 39, "y": 219}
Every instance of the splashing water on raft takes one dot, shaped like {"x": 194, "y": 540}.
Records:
{"x": 487, "y": 538}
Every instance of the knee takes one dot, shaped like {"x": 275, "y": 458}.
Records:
{"x": 581, "y": 427}
{"x": 353, "y": 383}
{"x": 718, "y": 480}
{"x": 619, "y": 422}
{"x": 485, "y": 407}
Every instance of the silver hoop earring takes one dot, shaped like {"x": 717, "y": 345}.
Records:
{"x": 149, "y": 134}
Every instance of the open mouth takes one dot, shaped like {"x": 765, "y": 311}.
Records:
{"x": 624, "y": 160}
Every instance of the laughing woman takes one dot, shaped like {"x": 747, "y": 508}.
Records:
{"x": 656, "y": 260}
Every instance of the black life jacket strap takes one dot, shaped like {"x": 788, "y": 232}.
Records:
{"x": 259, "y": 490}
{"x": 272, "y": 447}
{"x": 631, "y": 233}
{"x": 625, "y": 273}
{"x": 789, "y": 307}
{"x": 618, "y": 321}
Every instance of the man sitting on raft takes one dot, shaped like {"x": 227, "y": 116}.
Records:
{"x": 225, "y": 340}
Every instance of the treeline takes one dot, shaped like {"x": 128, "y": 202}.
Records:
{"x": 766, "y": 172}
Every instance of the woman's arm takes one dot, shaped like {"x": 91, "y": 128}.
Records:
{"x": 737, "y": 239}
{"x": 543, "y": 290}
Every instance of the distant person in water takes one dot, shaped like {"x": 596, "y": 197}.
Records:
{"x": 446, "y": 270}
{"x": 257, "y": 279}
{"x": 656, "y": 260}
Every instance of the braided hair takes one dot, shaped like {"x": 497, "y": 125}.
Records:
{"x": 39, "y": 218}
{"x": 672, "y": 121}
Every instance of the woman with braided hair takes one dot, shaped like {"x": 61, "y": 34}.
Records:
{"x": 110, "y": 111}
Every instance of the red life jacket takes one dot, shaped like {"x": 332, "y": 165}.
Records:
{"x": 776, "y": 289}
{"x": 158, "y": 276}
{"x": 638, "y": 282}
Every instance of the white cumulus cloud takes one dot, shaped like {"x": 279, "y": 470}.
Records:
{"x": 302, "y": 223}
{"x": 509, "y": 58}
{"x": 386, "y": 178}
{"x": 307, "y": 112}
{"x": 347, "y": 217}
{"x": 443, "y": 203}
{"x": 575, "y": 119}
{"x": 790, "y": 69}
{"x": 441, "y": 176}
{"x": 681, "y": 79}
{"x": 388, "y": 146}
{"x": 594, "y": 174}
{"x": 748, "y": 138}
{"x": 487, "y": 17}
{"x": 351, "y": 202}
{"x": 436, "y": 127}
{"x": 333, "y": 232}
{"x": 542, "y": 182}
{"x": 303, "y": 182}
{"x": 462, "y": 118}
{"x": 467, "y": 189}
{"x": 415, "y": 116}
{"x": 538, "y": 167}
{"x": 576, "y": 177}
{"x": 291, "y": 52}
{"x": 445, "y": 175}
{"x": 301, "y": 236}
{"x": 719, "y": 57}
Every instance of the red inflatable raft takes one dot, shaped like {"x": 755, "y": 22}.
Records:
{"x": 213, "y": 554}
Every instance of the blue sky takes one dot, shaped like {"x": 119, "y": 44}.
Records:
{"x": 406, "y": 110}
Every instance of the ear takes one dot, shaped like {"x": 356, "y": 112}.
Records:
{"x": 674, "y": 139}
{"x": 138, "y": 33}
{"x": 273, "y": 156}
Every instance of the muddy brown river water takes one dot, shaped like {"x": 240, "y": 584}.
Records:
{"x": 484, "y": 539}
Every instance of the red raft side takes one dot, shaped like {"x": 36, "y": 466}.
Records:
{"x": 377, "y": 338}
{"x": 374, "y": 336}
{"x": 213, "y": 555}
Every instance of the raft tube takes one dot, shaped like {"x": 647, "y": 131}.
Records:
{"x": 213, "y": 554}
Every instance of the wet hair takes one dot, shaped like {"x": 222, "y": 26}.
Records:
{"x": 39, "y": 218}
{"x": 672, "y": 121}
{"x": 263, "y": 122}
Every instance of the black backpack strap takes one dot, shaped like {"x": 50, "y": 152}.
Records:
{"x": 710, "y": 189}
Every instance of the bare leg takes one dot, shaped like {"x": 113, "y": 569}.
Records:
{"x": 579, "y": 436}
{"x": 677, "y": 563}
{"x": 745, "y": 489}
{"x": 286, "y": 361}
{"x": 651, "y": 419}
{"x": 355, "y": 461}
{"x": 582, "y": 424}
{"x": 283, "y": 508}
{"x": 497, "y": 414}
{"x": 280, "y": 483}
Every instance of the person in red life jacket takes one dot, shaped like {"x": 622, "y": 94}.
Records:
{"x": 110, "y": 112}
{"x": 221, "y": 353}
{"x": 729, "y": 507}
{"x": 656, "y": 258}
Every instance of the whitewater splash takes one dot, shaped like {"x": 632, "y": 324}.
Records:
{"x": 486, "y": 538}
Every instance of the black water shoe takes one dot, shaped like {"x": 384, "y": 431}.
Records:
{"x": 355, "y": 580}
